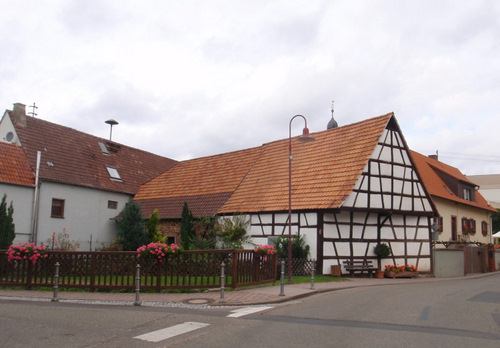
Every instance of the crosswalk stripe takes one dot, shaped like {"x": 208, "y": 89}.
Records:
{"x": 246, "y": 311}
{"x": 169, "y": 332}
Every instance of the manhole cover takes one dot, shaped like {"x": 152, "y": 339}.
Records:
{"x": 198, "y": 301}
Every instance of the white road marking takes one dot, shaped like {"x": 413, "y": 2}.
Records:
{"x": 247, "y": 310}
{"x": 163, "y": 334}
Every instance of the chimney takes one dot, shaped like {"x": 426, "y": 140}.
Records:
{"x": 434, "y": 157}
{"x": 19, "y": 114}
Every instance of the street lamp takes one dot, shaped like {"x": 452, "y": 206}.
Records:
{"x": 305, "y": 137}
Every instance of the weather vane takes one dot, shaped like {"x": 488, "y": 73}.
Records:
{"x": 34, "y": 107}
{"x": 333, "y": 101}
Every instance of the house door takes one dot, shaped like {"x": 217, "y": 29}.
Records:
{"x": 454, "y": 235}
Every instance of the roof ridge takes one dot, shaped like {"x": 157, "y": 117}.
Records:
{"x": 37, "y": 121}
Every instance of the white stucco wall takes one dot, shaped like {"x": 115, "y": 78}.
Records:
{"x": 447, "y": 209}
{"x": 22, "y": 201}
{"x": 86, "y": 214}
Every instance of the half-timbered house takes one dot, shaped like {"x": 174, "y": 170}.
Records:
{"x": 353, "y": 187}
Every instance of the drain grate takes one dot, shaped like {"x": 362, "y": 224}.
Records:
{"x": 198, "y": 301}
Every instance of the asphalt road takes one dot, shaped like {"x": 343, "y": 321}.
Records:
{"x": 448, "y": 313}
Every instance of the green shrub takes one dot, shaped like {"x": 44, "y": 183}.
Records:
{"x": 300, "y": 250}
{"x": 382, "y": 250}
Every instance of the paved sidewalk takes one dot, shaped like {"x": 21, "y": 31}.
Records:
{"x": 243, "y": 297}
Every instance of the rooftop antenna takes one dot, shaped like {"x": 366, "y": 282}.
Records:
{"x": 111, "y": 122}
{"x": 33, "y": 108}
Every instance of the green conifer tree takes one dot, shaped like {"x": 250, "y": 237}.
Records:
{"x": 131, "y": 227}
{"x": 7, "y": 227}
{"x": 188, "y": 233}
{"x": 153, "y": 228}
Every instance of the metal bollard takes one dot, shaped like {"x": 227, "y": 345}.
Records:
{"x": 137, "y": 285}
{"x": 282, "y": 292}
{"x": 312, "y": 273}
{"x": 222, "y": 280}
{"x": 56, "y": 283}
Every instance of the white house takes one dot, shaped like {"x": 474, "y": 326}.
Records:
{"x": 83, "y": 181}
{"x": 464, "y": 214}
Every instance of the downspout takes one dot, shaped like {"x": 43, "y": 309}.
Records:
{"x": 34, "y": 217}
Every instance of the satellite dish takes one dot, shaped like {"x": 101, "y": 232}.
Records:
{"x": 9, "y": 136}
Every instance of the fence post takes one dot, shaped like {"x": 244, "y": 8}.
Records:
{"x": 93, "y": 265}
{"x": 256, "y": 267}
{"x": 56, "y": 283}
{"x": 282, "y": 292}
{"x": 137, "y": 285}
{"x": 29, "y": 277}
{"x": 222, "y": 280}
{"x": 313, "y": 270}
{"x": 235, "y": 269}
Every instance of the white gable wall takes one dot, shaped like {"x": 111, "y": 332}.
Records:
{"x": 6, "y": 126}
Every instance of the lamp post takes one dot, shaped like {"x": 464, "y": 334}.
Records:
{"x": 305, "y": 137}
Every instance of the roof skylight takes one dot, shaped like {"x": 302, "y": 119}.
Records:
{"x": 113, "y": 173}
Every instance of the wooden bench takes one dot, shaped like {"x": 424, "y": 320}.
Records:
{"x": 359, "y": 266}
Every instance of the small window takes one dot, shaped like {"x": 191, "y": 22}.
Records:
{"x": 472, "y": 228}
{"x": 113, "y": 173}
{"x": 468, "y": 226}
{"x": 57, "y": 210}
{"x": 467, "y": 194}
{"x": 465, "y": 226}
{"x": 170, "y": 240}
{"x": 438, "y": 224}
{"x": 104, "y": 149}
{"x": 484, "y": 228}
{"x": 112, "y": 205}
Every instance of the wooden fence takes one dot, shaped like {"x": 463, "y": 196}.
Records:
{"x": 300, "y": 267}
{"x": 117, "y": 270}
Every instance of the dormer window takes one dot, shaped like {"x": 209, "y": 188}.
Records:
{"x": 467, "y": 194}
{"x": 113, "y": 173}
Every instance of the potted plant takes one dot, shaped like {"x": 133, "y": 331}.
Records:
{"x": 395, "y": 271}
{"x": 382, "y": 250}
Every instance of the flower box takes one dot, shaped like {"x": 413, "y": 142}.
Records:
{"x": 404, "y": 274}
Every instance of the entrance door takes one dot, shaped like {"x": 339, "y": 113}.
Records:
{"x": 454, "y": 235}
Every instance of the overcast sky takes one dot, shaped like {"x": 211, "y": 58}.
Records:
{"x": 186, "y": 79}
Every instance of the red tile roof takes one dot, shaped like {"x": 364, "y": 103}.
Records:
{"x": 324, "y": 171}
{"x": 14, "y": 168}
{"x": 205, "y": 183}
{"x": 256, "y": 179}
{"x": 427, "y": 167}
{"x": 73, "y": 157}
